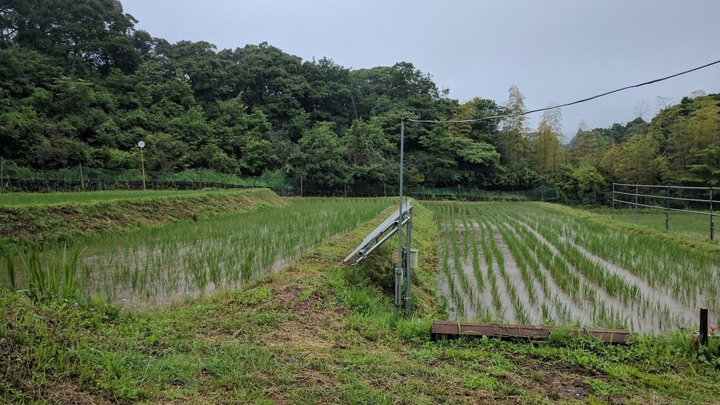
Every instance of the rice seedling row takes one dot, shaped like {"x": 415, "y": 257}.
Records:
{"x": 532, "y": 264}
{"x": 188, "y": 259}
{"x": 685, "y": 274}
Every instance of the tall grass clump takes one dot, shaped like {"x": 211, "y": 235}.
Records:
{"x": 45, "y": 278}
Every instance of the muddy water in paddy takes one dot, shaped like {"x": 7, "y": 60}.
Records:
{"x": 469, "y": 310}
{"x": 642, "y": 302}
{"x": 633, "y": 319}
{"x": 444, "y": 291}
{"x": 562, "y": 308}
{"x": 532, "y": 311}
{"x": 508, "y": 313}
{"x": 652, "y": 294}
{"x": 654, "y": 310}
{"x": 148, "y": 275}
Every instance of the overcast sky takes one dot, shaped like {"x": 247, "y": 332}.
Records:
{"x": 554, "y": 51}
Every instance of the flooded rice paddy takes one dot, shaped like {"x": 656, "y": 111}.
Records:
{"x": 521, "y": 263}
{"x": 163, "y": 264}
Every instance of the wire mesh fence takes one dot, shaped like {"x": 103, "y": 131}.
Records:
{"x": 80, "y": 178}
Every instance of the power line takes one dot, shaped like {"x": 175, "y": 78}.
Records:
{"x": 566, "y": 104}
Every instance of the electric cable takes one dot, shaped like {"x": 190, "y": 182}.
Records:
{"x": 566, "y": 104}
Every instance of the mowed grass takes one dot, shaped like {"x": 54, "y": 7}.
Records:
{"x": 36, "y": 199}
{"x": 320, "y": 332}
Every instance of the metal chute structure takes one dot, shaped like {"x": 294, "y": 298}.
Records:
{"x": 382, "y": 233}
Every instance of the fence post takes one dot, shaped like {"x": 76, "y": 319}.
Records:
{"x": 613, "y": 211}
{"x": 712, "y": 223}
{"x": 82, "y": 180}
{"x": 667, "y": 210}
{"x": 637, "y": 191}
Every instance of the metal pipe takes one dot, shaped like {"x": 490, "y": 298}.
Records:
{"x": 408, "y": 258}
{"x": 667, "y": 211}
{"x": 400, "y": 210}
{"x": 613, "y": 211}
{"x": 712, "y": 223}
{"x": 636, "y": 202}
{"x": 142, "y": 162}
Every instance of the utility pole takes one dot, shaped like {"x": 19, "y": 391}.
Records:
{"x": 399, "y": 273}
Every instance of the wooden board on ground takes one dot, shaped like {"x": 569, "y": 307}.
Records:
{"x": 510, "y": 331}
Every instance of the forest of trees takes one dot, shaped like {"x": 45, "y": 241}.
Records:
{"x": 80, "y": 85}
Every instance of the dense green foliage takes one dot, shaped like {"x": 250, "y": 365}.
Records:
{"x": 80, "y": 85}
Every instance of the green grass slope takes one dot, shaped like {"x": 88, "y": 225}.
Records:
{"x": 37, "y": 219}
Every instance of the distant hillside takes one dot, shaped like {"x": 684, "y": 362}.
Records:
{"x": 80, "y": 85}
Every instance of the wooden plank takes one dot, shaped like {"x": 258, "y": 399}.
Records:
{"x": 512, "y": 331}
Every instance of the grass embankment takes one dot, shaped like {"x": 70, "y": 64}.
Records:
{"x": 691, "y": 225}
{"x": 318, "y": 333}
{"x": 704, "y": 246}
{"x": 39, "y": 219}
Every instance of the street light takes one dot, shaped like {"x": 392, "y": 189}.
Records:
{"x": 141, "y": 145}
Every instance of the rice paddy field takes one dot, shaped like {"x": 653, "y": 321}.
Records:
{"x": 242, "y": 297}
{"x": 524, "y": 263}
{"x": 530, "y": 263}
{"x": 188, "y": 259}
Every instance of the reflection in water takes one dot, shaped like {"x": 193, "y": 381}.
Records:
{"x": 189, "y": 259}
